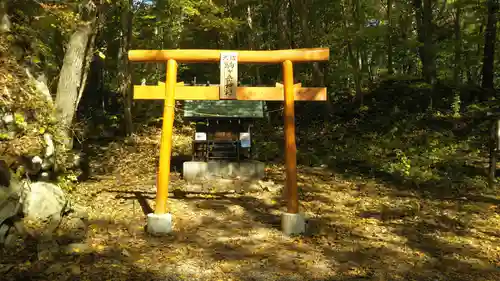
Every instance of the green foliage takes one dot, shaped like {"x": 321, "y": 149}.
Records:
{"x": 44, "y": 29}
{"x": 33, "y": 114}
{"x": 267, "y": 150}
{"x": 67, "y": 181}
{"x": 395, "y": 138}
{"x": 405, "y": 128}
{"x": 19, "y": 119}
{"x": 401, "y": 165}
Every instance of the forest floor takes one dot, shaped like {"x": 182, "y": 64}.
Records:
{"x": 358, "y": 229}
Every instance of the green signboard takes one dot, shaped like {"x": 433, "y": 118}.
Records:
{"x": 224, "y": 108}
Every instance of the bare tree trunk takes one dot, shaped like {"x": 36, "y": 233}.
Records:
{"x": 457, "y": 74}
{"x": 479, "y": 47}
{"x": 363, "y": 60}
{"x": 353, "y": 57}
{"x": 423, "y": 18}
{"x": 357, "y": 73}
{"x": 291, "y": 13}
{"x": 489, "y": 45}
{"x": 4, "y": 17}
{"x": 73, "y": 73}
{"x": 458, "y": 47}
{"x": 86, "y": 66}
{"x": 429, "y": 49}
{"x": 390, "y": 68}
{"x": 251, "y": 40}
{"x": 426, "y": 50}
{"x": 318, "y": 77}
{"x": 404, "y": 23}
{"x": 283, "y": 28}
{"x": 125, "y": 75}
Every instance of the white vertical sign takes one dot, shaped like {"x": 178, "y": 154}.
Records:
{"x": 245, "y": 140}
{"x": 228, "y": 75}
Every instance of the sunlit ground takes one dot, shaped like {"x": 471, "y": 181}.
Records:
{"x": 357, "y": 230}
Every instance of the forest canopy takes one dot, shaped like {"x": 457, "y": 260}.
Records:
{"x": 435, "y": 57}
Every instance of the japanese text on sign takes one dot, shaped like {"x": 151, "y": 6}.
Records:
{"x": 228, "y": 75}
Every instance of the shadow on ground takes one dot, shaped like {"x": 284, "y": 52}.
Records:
{"x": 354, "y": 235}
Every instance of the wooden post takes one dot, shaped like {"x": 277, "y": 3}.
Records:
{"x": 166, "y": 139}
{"x": 290, "y": 146}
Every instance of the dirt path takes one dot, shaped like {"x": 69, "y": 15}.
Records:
{"x": 357, "y": 230}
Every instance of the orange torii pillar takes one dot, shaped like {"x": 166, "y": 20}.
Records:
{"x": 292, "y": 221}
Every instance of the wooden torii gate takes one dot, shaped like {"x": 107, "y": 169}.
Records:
{"x": 292, "y": 222}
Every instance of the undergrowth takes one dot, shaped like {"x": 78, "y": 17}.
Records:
{"x": 396, "y": 136}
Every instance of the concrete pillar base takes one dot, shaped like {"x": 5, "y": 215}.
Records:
{"x": 159, "y": 224}
{"x": 293, "y": 224}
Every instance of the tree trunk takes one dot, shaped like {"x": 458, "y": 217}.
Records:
{"x": 4, "y": 17}
{"x": 357, "y": 73}
{"x": 271, "y": 23}
{"x": 363, "y": 60}
{"x": 390, "y": 69}
{"x": 88, "y": 60}
{"x": 282, "y": 28}
{"x": 489, "y": 45}
{"x": 458, "y": 65}
{"x": 423, "y": 18}
{"x": 404, "y": 23}
{"x": 73, "y": 73}
{"x": 352, "y": 45}
{"x": 426, "y": 50}
{"x": 282, "y": 24}
{"x": 318, "y": 78}
{"x": 430, "y": 66}
{"x": 458, "y": 47}
{"x": 291, "y": 13}
{"x": 473, "y": 70}
{"x": 251, "y": 41}
{"x": 125, "y": 75}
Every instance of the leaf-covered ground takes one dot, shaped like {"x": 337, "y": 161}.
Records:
{"x": 357, "y": 230}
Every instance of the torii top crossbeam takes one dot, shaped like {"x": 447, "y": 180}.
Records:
{"x": 203, "y": 55}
